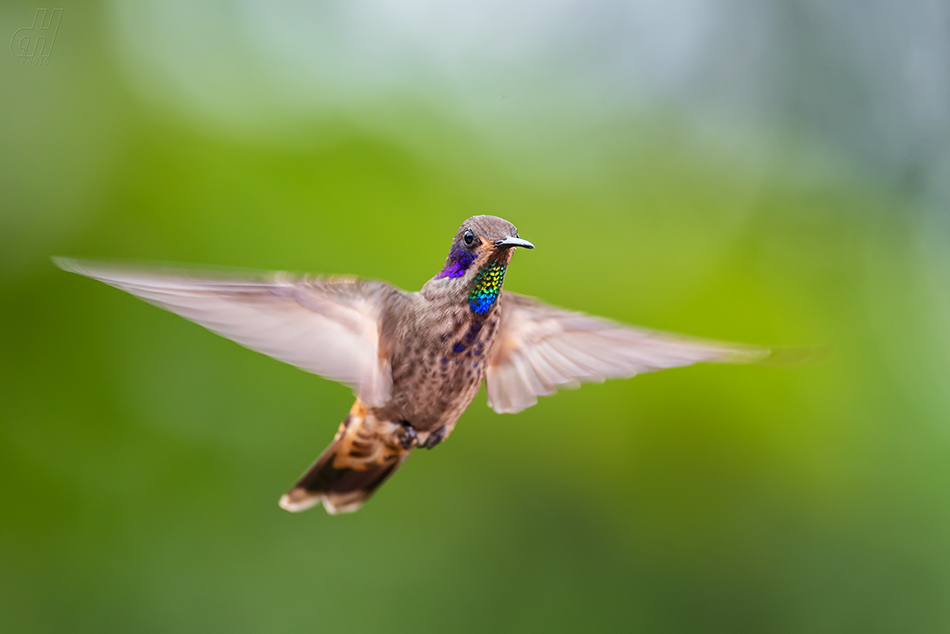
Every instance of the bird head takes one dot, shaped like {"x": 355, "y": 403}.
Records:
{"x": 479, "y": 257}
{"x": 479, "y": 241}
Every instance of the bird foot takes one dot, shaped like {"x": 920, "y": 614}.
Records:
{"x": 408, "y": 438}
{"x": 434, "y": 438}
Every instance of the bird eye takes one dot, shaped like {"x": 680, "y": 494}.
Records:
{"x": 469, "y": 238}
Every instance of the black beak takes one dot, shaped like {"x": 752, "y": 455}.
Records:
{"x": 513, "y": 242}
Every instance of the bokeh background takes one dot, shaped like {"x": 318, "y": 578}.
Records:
{"x": 764, "y": 172}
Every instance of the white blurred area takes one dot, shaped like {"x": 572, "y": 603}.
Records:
{"x": 869, "y": 78}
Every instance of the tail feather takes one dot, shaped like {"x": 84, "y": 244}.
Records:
{"x": 364, "y": 453}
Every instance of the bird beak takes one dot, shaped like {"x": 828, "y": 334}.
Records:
{"x": 513, "y": 242}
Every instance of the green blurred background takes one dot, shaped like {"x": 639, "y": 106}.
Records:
{"x": 771, "y": 173}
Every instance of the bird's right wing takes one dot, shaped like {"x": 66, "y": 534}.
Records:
{"x": 542, "y": 347}
{"x": 328, "y": 327}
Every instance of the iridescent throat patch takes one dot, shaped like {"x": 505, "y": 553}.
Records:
{"x": 486, "y": 286}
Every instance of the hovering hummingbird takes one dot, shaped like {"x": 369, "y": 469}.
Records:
{"x": 414, "y": 360}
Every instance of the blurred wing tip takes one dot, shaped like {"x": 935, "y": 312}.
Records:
{"x": 747, "y": 355}
{"x": 784, "y": 357}
{"x": 88, "y": 268}
{"x": 72, "y": 265}
{"x": 778, "y": 356}
{"x": 98, "y": 269}
{"x": 155, "y": 269}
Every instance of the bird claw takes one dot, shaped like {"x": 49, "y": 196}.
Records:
{"x": 434, "y": 438}
{"x": 408, "y": 438}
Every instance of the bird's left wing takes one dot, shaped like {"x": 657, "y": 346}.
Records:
{"x": 325, "y": 326}
{"x": 541, "y": 348}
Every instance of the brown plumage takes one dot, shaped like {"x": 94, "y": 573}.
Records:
{"x": 415, "y": 360}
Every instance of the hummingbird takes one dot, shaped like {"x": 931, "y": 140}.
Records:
{"x": 415, "y": 360}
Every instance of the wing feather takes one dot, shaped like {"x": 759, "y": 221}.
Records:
{"x": 541, "y": 348}
{"x": 327, "y": 327}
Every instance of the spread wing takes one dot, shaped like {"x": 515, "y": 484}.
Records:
{"x": 328, "y": 327}
{"x": 541, "y": 348}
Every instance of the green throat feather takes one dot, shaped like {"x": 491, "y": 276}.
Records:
{"x": 486, "y": 286}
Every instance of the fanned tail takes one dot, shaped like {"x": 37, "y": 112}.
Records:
{"x": 364, "y": 453}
